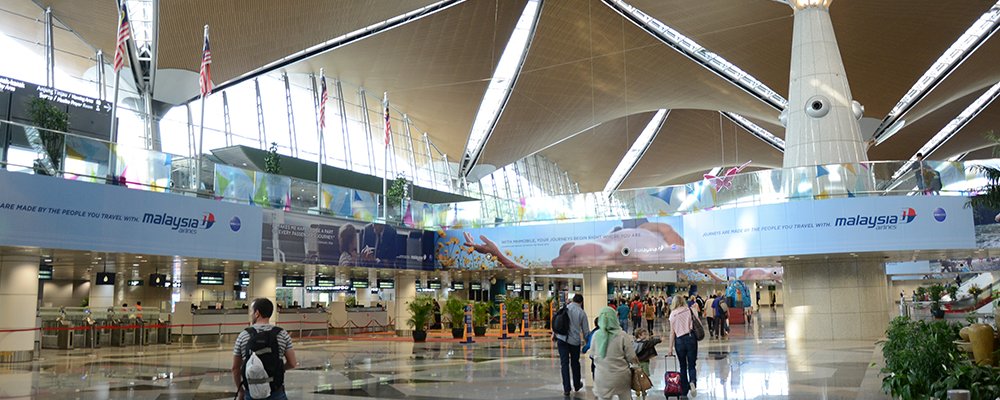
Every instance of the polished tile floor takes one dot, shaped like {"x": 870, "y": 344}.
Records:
{"x": 755, "y": 363}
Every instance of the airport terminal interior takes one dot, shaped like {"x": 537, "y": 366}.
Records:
{"x": 499, "y": 199}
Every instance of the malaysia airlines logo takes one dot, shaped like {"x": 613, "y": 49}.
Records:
{"x": 879, "y": 222}
{"x": 180, "y": 224}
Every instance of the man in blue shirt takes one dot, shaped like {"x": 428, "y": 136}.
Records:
{"x": 569, "y": 345}
{"x": 623, "y": 315}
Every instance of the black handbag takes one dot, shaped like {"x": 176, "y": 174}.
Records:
{"x": 696, "y": 329}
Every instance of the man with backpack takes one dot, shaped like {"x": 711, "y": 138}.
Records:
{"x": 636, "y": 313}
{"x": 261, "y": 355}
{"x": 569, "y": 327}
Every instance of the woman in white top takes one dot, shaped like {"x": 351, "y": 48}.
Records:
{"x": 682, "y": 339}
{"x": 614, "y": 350}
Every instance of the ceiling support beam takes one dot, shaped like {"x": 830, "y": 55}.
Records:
{"x": 700, "y": 55}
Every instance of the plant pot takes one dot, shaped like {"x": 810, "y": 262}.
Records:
{"x": 457, "y": 333}
{"x": 479, "y": 330}
{"x": 419, "y": 336}
{"x": 511, "y": 328}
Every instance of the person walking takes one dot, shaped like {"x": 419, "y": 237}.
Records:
{"x": 636, "y": 313}
{"x": 623, "y": 311}
{"x": 271, "y": 336}
{"x": 649, "y": 313}
{"x": 710, "y": 316}
{"x": 614, "y": 351}
{"x": 682, "y": 341}
{"x": 569, "y": 345}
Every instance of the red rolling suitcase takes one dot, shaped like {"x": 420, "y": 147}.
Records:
{"x": 671, "y": 381}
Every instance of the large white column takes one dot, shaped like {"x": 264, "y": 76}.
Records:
{"x": 101, "y": 296}
{"x": 821, "y": 121}
{"x": 264, "y": 283}
{"x": 18, "y": 305}
{"x": 406, "y": 291}
{"x": 845, "y": 299}
{"x": 595, "y": 291}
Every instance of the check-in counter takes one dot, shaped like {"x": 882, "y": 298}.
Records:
{"x": 304, "y": 321}
{"x": 345, "y": 320}
{"x": 190, "y": 326}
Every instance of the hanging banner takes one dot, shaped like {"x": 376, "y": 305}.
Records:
{"x": 861, "y": 224}
{"x": 56, "y": 213}
{"x": 308, "y": 239}
{"x": 642, "y": 241}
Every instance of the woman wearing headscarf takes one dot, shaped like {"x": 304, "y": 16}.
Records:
{"x": 613, "y": 350}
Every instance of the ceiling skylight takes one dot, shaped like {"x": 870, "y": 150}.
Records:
{"x": 635, "y": 152}
{"x": 500, "y": 85}
{"x": 976, "y": 35}
{"x": 699, "y": 54}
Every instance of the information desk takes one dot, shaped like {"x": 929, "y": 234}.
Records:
{"x": 357, "y": 319}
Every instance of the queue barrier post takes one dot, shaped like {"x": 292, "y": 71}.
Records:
{"x": 468, "y": 324}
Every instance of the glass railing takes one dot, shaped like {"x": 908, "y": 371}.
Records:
{"x": 882, "y": 178}
{"x": 75, "y": 157}
{"x": 86, "y": 159}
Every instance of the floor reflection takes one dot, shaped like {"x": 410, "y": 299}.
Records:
{"x": 754, "y": 363}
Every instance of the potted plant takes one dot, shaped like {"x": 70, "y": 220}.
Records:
{"x": 455, "y": 309}
{"x": 53, "y": 122}
{"x": 272, "y": 160}
{"x": 936, "y": 291}
{"x": 480, "y": 317}
{"x": 921, "y": 294}
{"x": 953, "y": 292}
{"x": 514, "y": 313}
{"x": 397, "y": 191}
{"x": 420, "y": 309}
{"x": 975, "y": 291}
{"x": 351, "y": 301}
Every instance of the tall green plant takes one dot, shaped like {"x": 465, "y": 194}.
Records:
{"x": 454, "y": 308}
{"x": 421, "y": 310}
{"x": 52, "y": 120}
{"x": 916, "y": 354}
{"x": 397, "y": 191}
{"x": 272, "y": 160}
{"x": 513, "y": 304}
{"x": 481, "y": 313}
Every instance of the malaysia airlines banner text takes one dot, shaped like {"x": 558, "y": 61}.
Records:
{"x": 863, "y": 224}
{"x": 63, "y": 214}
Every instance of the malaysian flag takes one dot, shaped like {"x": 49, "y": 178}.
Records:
{"x": 206, "y": 68}
{"x": 123, "y": 34}
{"x": 323, "y": 97}
{"x": 388, "y": 127}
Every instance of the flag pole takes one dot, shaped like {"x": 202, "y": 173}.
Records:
{"x": 112, "y": 156}
{"x": 201, "y": 135}
{"x": 319, "y": 153}
{"x": 385, "y": 160}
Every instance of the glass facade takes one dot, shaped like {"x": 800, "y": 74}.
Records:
{"x": 256, "y": 113}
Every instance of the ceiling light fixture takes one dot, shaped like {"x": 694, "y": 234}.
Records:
{"x": 500, "y": 85}
{"x": 958, "y": 52}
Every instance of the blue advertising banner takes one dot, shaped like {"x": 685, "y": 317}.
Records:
{"x": 595, "y": 243}
{"x": 56, "y": 213}
{"x": 862, "y": 224}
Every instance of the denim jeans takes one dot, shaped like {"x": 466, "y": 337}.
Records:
{"x": 624, "y": 323}
{"x": 569, "y": 358}
{"x": 687, "y": 353}
{"x": 275, "y": 395}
